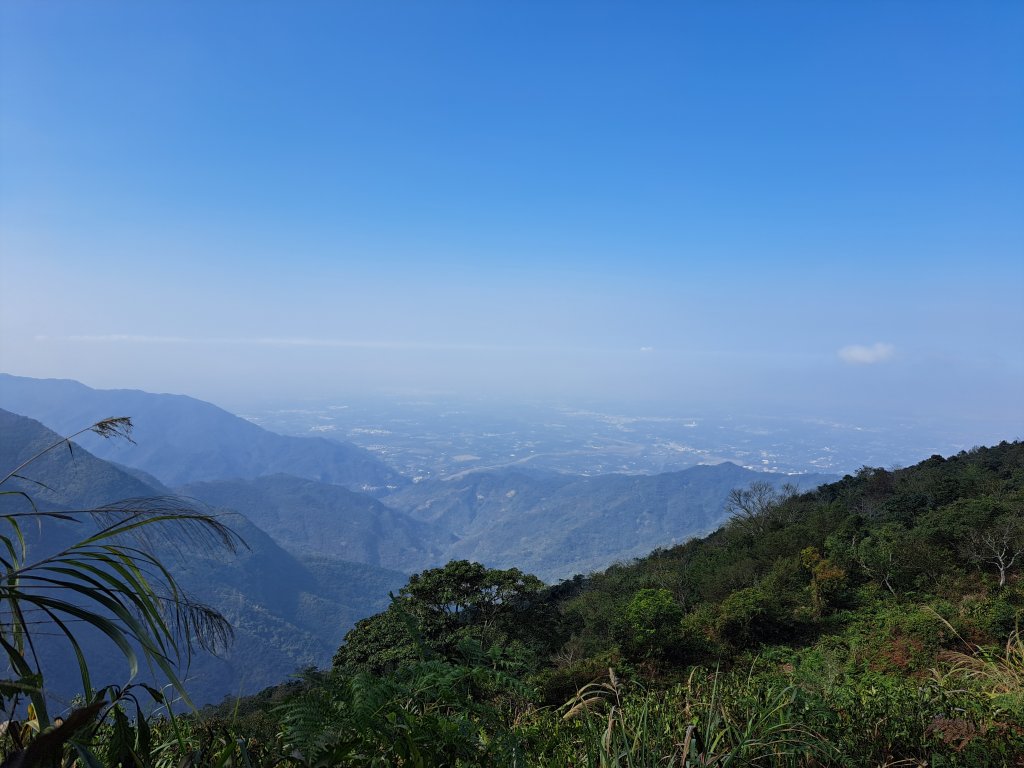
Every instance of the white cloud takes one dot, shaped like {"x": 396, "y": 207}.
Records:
{"x": 867, "y": 354}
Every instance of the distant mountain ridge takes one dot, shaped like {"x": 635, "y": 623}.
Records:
{"x": 311, "y": 518}
{"x": 554, "y": 524}
{"x": 558, "y": 525}
{"x": 183, "y": 440}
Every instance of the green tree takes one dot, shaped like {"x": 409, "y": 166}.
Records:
{"x": 467, "y": 596}
{"x": 380, "y": 643}
{"x": 649, "y": 627}
{"x": 827, "y": 579}
{"x": 440, "y": 609}
{"x": 744, "y": 618}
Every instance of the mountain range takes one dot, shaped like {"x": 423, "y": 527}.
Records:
{"x": 308, "y": 517}
{"x": 558, "y": 525}
{"x": 331, "y": 529}
{"x": 179, "y": 439}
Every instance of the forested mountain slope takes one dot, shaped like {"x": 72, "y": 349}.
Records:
{"x": 888, "y": 548}
{"x": 871, "y": 621}
{"x": 312, "y": 518}
{"x": 559, "y": 525}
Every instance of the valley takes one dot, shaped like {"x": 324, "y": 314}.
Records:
{"x": 431, "y": 438}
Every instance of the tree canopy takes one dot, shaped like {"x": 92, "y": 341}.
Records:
{"x": 441, "y": 609}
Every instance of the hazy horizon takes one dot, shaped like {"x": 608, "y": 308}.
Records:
{"x": 785, "y": 209}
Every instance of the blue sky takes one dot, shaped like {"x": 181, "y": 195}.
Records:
{"x": 803, "y": 207}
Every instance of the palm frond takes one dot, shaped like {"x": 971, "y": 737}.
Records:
{"x": 114, "y": 579}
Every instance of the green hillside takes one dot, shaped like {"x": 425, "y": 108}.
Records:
{"x": 557, "y": 525}
{"x": 860, "y": 624}
{"x": 871, "y": 621}
{"x": 307, "y": 517}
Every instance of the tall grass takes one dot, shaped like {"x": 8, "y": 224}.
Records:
{"x": 712, "y": 720}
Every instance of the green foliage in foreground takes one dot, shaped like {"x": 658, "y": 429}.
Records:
{"x": 103, "y": 578}
{"x": 871, "y": 622}
{"x": 443, "y": 714}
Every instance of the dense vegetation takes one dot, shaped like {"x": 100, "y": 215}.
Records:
{"x": 873, "y": 621}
